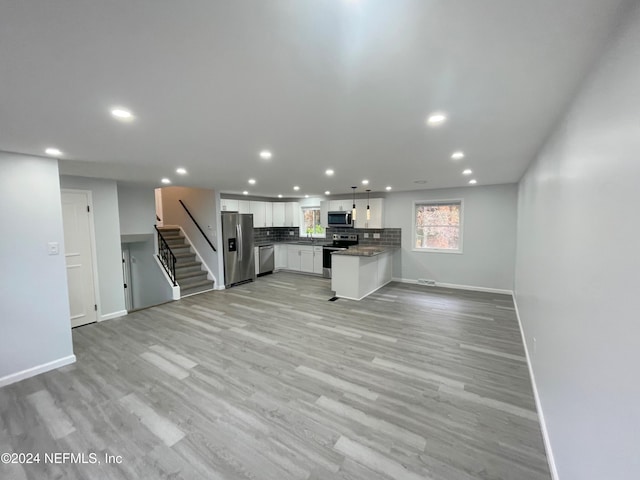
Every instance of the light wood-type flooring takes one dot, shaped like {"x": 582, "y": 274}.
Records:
{"x": 271, "y": 381}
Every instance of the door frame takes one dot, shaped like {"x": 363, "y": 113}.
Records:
{"x": 94, "y": 256}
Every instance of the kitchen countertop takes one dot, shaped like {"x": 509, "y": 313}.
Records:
{"x": 365, "y": 251}
{"x": 290, "y": 242}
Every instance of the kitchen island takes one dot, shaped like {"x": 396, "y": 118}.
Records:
{"x": 361, "y": 270}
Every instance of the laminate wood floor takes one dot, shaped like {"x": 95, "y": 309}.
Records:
{"x": 270, "y": 380}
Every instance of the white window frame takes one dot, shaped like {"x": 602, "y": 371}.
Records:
{"x": 303, "y": 232}
{"x": 416, "y": 203}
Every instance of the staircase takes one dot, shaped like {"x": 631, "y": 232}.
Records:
{"x": 189, "y": 274}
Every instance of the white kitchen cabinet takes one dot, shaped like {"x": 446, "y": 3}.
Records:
{"x": 244, "y": 206}
{"x": 376, "y": 207}
{"x": 228, "y": 205}
{"x": 278, "y": 214}
{"x": 340, "y": 205}
{"x": 317, "y": 260}
{"x": 293, "y": 257}
{"x": 292, "y": 214}
{"x": 280, "y": 253}
{"x": 259, "y": 216}
{"x": 268, "y": 214}
{"x": 306, "y": 258}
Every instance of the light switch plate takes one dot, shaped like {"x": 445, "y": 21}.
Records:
{"x": 53, "y": 248}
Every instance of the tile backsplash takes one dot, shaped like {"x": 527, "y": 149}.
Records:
{"x": 389, "y": 237}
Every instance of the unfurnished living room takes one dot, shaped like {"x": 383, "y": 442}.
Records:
{"x": 303, "y": 239}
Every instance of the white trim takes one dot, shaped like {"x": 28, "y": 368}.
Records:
{"x": 210, "y": 275}
{"x": 175, "y": 291}
{"x": 367, "y": 294}
{"x": 456, "y": 286}
{"x": 460, "y": 226}
{"x": 37, "y": 370}
{"x": 94, "y": 249}
{"x": 543, "y": 426}
{"x": 111, "y": 316}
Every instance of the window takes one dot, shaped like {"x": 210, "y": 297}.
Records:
{"x": 438, "y": 226}
{"x": 310, "y": 225}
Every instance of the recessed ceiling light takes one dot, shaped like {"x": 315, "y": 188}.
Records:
{"x": 252, "y": 181}
{"x": 296, "y": 188}
{"x": 279, "y": 195}
{"x": 53, "y": 151}
{"x": 467, "y": 171}
{"x": 457, "y": 155}
{"x": 165, "y": 181}
{"x": 329, "y": 172}
{"x": 265, "y": 154}
{"x": 245, "y": 193}
{"x": 388, "y": 188}
{"x": 181, "y": 171}
{"x": 473, "y": 181}
{"x": 436, "y": 119}
{"x": 122, "y": 113}
{"x": 327, "y": 192}
{"x": 365, "y": 182}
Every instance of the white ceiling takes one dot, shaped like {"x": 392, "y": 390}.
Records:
{"x": 342, "y": 84}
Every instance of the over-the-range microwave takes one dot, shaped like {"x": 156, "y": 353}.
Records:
{"x": 339, "y": 219}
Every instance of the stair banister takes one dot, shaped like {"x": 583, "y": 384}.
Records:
{"x": 167, "y": 257}
{"x": 197, "y": 225}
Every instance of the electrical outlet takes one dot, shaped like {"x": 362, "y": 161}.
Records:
{"x": 291, "y": 233}
{"x": 53, "y": 248}
{"x": 268, "y": 233}
{"x": 366, "y": 235}
{"x": 376, "y": 235}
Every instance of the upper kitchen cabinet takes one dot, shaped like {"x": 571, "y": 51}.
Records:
{"x": 376, "y": 206}
{"x": 259, "y": 211}
{"x": 292, "y": 214}
{"x": 278, "y": 209}
{"x": 228, "y": 205}
{"x": 244, "y": 206}
{"x": 340, "y": 205}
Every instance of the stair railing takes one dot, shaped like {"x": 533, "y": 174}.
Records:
{"x": 196, "y": 223}
{"x": 167, "y": 258}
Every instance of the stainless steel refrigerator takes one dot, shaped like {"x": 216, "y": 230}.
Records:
{"x": 237, "y": 241}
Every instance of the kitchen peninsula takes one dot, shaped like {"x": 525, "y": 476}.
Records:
{"x": 361, "y": 270}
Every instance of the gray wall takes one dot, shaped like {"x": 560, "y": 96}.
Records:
{"x": 148, "y": 284}
{"x": 489, "y": 236}
{"x": 35, "y": 328}
{"x": 137, "y": 209}
{"x": 577, "y": 273}
{"x": 107, "y": 232}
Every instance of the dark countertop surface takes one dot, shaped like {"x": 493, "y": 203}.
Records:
{"x": 365, "y": 251}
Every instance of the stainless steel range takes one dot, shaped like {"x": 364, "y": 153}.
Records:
{"x": 340, "y": 242}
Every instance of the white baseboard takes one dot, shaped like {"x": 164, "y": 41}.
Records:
{"x": 543, "y": 425}
{"x": 457, "y": 286}
{"x": 110, "y": 316}
{"x": 37, "y": 370}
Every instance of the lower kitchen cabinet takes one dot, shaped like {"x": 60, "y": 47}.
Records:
{"x": 317, "y": 260}
{"x": 306, "y": 259}
{"x": 293, "y": 257}
{"x": 280, "y": 253}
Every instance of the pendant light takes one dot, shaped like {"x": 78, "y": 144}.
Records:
{"x": 353, "y": 209}
{"x": 368, "y": 208}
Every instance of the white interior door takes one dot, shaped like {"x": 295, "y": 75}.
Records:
{"x": 79, "y": 257}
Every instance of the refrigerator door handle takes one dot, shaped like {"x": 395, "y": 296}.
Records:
{"x": 240, "y": 245}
